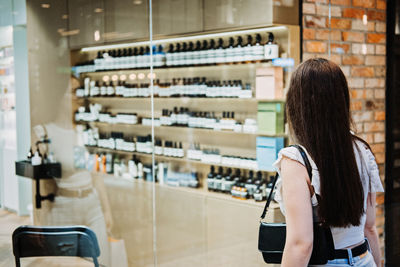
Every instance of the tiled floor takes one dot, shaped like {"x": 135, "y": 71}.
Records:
{"x": 8, "y": 222}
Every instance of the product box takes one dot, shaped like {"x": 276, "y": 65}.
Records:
{"x": 270, "y": 117}
{"x": 269, "y": 83}
{"x": 267, "y": 151}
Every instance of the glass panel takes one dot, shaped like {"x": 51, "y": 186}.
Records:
{"x": 219, "y": 122}
{"x": 8, "y": 142}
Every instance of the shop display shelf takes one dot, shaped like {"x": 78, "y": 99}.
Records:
{"x": 165, "y": 158}
{"x": 180, "y": 100}
{"x": 186, "y": 130}
{"x": 195, "y": 191}
{"x": 243, "y": 64}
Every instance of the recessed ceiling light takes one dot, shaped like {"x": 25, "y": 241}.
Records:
{"x": 65, "y": 16}
{"x": 45, "y": 5}
{"x": 98, "y": 10}
{"x": 137, "y": 2}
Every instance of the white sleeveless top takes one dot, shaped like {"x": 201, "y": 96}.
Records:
{"x": 368, "y": 169}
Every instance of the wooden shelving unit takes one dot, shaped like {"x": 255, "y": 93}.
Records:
{"x": 229, "y": 142}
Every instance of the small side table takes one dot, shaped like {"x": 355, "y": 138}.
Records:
{"x": 40, "y": 172}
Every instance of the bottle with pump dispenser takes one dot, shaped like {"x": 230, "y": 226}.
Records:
{"x": 271, "y": 49}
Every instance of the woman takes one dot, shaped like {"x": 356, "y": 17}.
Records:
{"x": 344, "y": 171}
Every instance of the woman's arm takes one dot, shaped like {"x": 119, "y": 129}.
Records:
{"x": 299, "y": 218}
{"x": 370, "y": 229}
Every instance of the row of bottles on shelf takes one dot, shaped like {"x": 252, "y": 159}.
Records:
{"x": 182, "y": 117}
{"x": 178, "y": 87}
{"x": 239, "y": 186}
{"x": 187, "y": 53}
{"x": 133, "y": 168}
{"x": 235, "y": 183}
{"x": 143, "y": 144}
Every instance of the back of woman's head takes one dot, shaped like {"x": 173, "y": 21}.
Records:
{"x": 318, "y": 110}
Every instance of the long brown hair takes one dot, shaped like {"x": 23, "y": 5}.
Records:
{"x": 318, "y": 111}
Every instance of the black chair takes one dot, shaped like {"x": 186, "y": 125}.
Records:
{"x": 34, "y": 241}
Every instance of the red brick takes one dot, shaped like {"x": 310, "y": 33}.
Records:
{"x": 340, "y": 48}
{"x": 336, "y": 36}
{"x": 356, "y": 94}
{"x": 308, "y": 8}
{"x": 356, "y": 105}
{"x": 340, "y": 23}
{"x": 362, "y": 71}
{"x": 355, "y": 82}
{"x": 380, "y": 49}
{"x": 381, "y": 27}
{"x": 322, "y": 34}
{"x": 379, "y": 115}
{"x": 379, "y": 93}
{"x": 359, "y": 25}
{"x": 374, "y": 127}
{"x": 378, "y": 148}
{"x": 353, "y": 60}
{"x": 337, "y": 59}
{"x": 362, "y": 49}
{"x": 323, "y": 10}
{"x": 379, "y": 137}
{"x": 376, "y": 38}
{"x": 316, "y": 47}
{"x": 340, "y": 2}
{"x": 380, "y": 198}
{"x": 319, "y": 1}
{"x": 374, "y": 82}
{"x": 362, "y": 116}
{"x": 315, "y": 21}
{"x": 381, "y": 4}
{"x": 346, "y": 70}
{"x": 353, "y": 37}
{"x": 376, "y": 15}
{"x": 380, "y": 158}
{"x": 353, "y": 13}
{"x": 369, "y": 93}
{"x": 380, "y": 71}
{"x": 375, "y": 60}
{"x": 369, "y": 138}
{"x": 364, "y": 3}
{"x": 308, "y": 34}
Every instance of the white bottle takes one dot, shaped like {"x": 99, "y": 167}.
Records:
{"x": 271, "y": 50}
{"x": 36, "y": 159}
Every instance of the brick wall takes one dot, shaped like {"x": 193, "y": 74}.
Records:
{"x": 357, "y": 33}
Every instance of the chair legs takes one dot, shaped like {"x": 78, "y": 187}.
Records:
{"x": 96, "y": 263}
{"x": 17, "y": 262}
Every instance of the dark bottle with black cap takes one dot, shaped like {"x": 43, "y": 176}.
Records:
{"x": 271, "y": 48}
{"x": 258, "y": 49}
{"x": 250, "y": 184}
{"x": 204, "y": 53}
{"x": 218, "y": 179}
{"x": 211, "y": 52}
{"x": 230, "y": 52}
{"x": 211, "y": 178}
{"x": 220, "y": 53}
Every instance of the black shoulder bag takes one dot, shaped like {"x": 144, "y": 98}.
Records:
{"x": 272, "y": 236}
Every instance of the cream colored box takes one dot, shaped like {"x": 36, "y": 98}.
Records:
{"x": 269, "y": 83}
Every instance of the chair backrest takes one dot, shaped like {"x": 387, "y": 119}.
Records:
{"x": 32, "y": 241}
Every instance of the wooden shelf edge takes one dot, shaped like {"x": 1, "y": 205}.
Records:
{"x": 165, "y": 158}
{"x": 182, "y": 128}
{"x": 195, "y": 191}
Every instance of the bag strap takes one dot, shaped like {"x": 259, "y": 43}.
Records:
{"x": 309, "y": 171}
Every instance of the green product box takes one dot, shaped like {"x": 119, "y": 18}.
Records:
{"x": 270, "y": 117}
